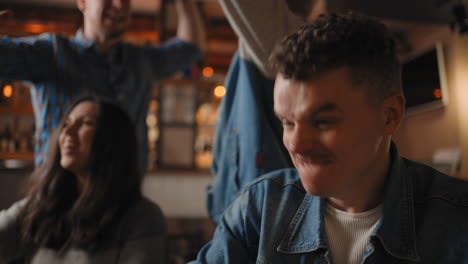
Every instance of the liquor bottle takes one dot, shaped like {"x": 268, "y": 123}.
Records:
{"x": 23, "y": 141}
{"x": 4, "y": 139}
{"x": 11, "y": 142}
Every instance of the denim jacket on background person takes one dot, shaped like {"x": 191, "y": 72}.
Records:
{"x": 424, "y": 220}
{"x": 248, "y": 140}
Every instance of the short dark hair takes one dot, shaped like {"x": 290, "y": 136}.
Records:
{"x": 331, "y": 41}
{"x": 56, "y": 215}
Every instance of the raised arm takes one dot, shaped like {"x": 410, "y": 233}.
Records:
{"x": 189, "y": 23}
{"x": 181, "y": 52}
{"x": 27, "y": 59}
{"x": 259, "y": 25}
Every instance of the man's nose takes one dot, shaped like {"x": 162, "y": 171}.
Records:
{"x": 298, "y": 139}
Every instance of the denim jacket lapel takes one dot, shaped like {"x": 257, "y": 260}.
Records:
{"x": 306, "y": 232}
{"x": 396, "y": 229}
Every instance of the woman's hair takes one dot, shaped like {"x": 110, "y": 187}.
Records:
{"x": 56, "y": 215}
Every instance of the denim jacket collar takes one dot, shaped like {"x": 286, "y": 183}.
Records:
{"x": 395, "y": 230}
{"x": 306, "y": 231}
{"x": 116, "y": 55}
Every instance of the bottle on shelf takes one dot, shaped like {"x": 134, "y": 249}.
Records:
{"x": 4, "y": 139}
{"x": 12, "y": 142}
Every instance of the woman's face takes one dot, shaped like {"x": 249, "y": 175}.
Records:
{"x": 76, "y": 136}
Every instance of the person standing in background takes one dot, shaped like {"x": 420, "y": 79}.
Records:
{"x": 248, "y": 135}
{"x": 97, "y": 61}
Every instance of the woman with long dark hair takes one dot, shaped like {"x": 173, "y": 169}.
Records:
{"x": 84, "y": 204}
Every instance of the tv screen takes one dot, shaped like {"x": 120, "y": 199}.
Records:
{"x": 424, "y": 82}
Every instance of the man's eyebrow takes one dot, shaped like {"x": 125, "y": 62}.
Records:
{"x": 327, "y": 107}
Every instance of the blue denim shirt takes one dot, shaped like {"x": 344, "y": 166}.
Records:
{"x": 248, "y": 141}
{"x": 424, "y": 220}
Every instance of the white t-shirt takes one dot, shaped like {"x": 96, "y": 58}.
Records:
{"x": 348, "y": 233}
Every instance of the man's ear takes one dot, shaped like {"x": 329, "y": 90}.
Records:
{"x": 81, "y": 5}
{"x": 394, "y": 110}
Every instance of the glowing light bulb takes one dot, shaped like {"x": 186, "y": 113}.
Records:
{"x": 438, "y": 93}
{"x": 208, "y": 72}
{"x": 7, "y": 90}
{"x": 219, "y": 91}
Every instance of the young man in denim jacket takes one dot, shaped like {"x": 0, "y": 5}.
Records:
{"x": 351, "y": 197}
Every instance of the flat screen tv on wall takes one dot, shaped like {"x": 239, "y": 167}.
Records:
{"x": 424, "y": 81}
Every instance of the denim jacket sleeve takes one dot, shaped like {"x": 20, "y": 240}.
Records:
{"x": 172, "y": 56}
{"x": 236, "y": 237}
{"x": 27, "y": 59}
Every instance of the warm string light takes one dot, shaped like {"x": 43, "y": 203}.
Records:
{"x": 35, "y": 28}
{"x": 7, "y": 91}
{"x": 219, "y": 91}
{"x": 437, "y": 93}
{"x": 207, "y": 71}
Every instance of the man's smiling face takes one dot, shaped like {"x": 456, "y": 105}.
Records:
{"x": 331, "y": 130}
